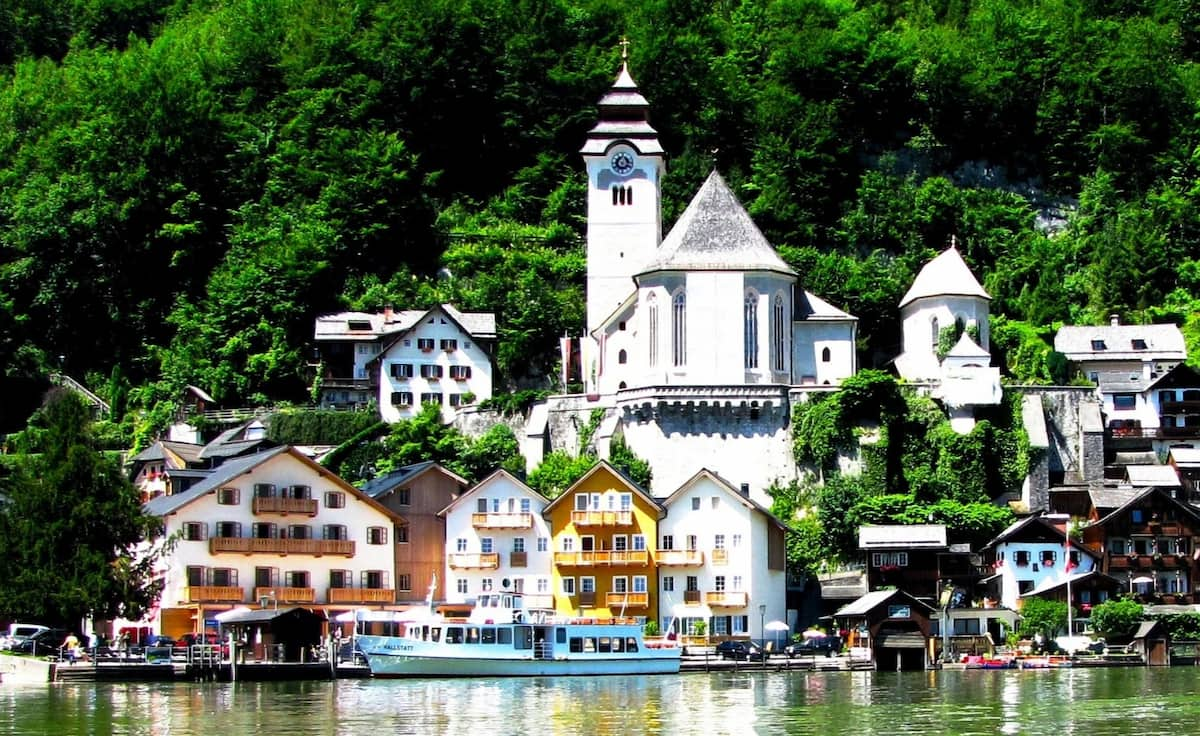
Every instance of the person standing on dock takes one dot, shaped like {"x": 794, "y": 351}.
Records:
{"x": 70, "y": 647}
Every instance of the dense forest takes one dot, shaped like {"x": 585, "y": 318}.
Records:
{"x": 185, "y": 184}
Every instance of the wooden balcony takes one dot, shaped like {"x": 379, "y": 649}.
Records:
{"x": 282, "y": 594}
{"x": 587, "y": 599}
{"x": 1181, "y": 407}
{"x": 518, "y": 559}
{"x": 256, "y": 546}
{"x": 720, "y": 557}
{"x": 602, "y": 518}
{"x": 1147, "y": 562}
{"x": 679, "y": 557}
{"x": 627, "y": 600}
{"x": 285, "y": 506}
{"x": 214, "y": 594}
{"x": 725, "y": 599}
{"x": 474, "y": 560}
{"x": 502, "y": 521}
{"x": 361, "y": 595}
{"x": 602, "y": 557}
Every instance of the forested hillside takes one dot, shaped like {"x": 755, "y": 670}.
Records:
{"x": 185, "y": 184}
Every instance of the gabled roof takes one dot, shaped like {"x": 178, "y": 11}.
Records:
{"x": 902, "y": 536}
{"x": 483, "y": 322}
{"x": 1105, "y": 497}
{"x": 622, "y": 477}
{"x": 385, "y": 484}
{"x": 967, "y": 348}
{"x": 945, "y": 275}
{"x": 227, "y": 472}
{"x": 728, "y": 488}
{"x": 200, "y": 393}
{"x": 812, "y": 308}
{"x": 338, "y": 326}
{"x": 1163, "y": 476}
{"x": 876, "y": 598}
{"x": 1033, "y": 529}
{"x": 715, "y": 233}
{"x": 1181, "y": 376}
{"x": 1191, "y": 511}
{"x": 181, "y": 453}
{"x": 1091, "y": 576}
{"x": 624, "y": 116}
{"x": 1184, "y": 457}
{"x": 1117, "y": 342}
{"x": 500, "y": 474}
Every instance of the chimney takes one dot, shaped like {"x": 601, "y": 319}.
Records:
{"x": 1114, "y": 320}
{"x": 746, "y": 490}
{"x": 387, "y": 314}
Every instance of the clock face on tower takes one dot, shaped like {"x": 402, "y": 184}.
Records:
{"x": 622, "y": 163}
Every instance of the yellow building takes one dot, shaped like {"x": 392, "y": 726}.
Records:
{"x": 603, "y": 529}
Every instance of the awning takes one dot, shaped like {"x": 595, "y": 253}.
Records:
{"x": 691, "y": 610}
{"x": 263, "y": 615}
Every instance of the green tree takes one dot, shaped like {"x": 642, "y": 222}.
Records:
{"x": 1117, "y": 619}
{"x": 557, "y": 471}
{"x": 1042, "y": 616}
{"x": 71, "y": 528}
{"x": 623, "y": 458}
{"x": 495, "y": 449}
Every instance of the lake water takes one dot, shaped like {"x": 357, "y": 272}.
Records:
{"x": 1088, "y": 702}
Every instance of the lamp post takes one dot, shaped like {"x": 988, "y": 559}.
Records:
{"x": 762, "y": 627}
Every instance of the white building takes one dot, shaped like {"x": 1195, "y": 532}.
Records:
{"x": 272, "y": 528}
{"x": 721, "y": 559}
{"x": 1032, "y": 555}
{"x": 405, "y": 359}
{"x": 497, "y": 539}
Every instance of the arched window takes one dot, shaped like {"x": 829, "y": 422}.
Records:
{"x": 652, "y": 332}
{"x": 825, "y": 355}
{"x": 679, "y": 329}
{"x": 622, "y": 386}
{"x": 750, "y": 330}
{"x": 934, "y": 333}
{"x": 779, "y": 336}
{"x": 622, "y": 357}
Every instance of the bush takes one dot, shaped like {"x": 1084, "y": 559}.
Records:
{"x": 1117, "y": 619}
{"x": 318, "y": 427}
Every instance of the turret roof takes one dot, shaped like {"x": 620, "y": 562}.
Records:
{"x": 715, "y": 233}
{"x": 624, "y": 116}
{"x": 946, "y": 275}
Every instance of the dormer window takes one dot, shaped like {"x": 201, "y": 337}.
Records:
{"x": 1099, "y": 345}
{"x": 359, "y": 325}
{"x": 1138, "y": 344}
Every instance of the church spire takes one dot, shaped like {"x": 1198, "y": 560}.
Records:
{"x": 624, "y": 115}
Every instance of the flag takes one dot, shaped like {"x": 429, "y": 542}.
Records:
{"x": 1067, "y": 548}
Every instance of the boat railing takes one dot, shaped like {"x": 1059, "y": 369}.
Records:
{"x": 543, "y": 650}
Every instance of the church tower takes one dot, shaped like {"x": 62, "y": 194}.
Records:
{"x": 625, "y": 165}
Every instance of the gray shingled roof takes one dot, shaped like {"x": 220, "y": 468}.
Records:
{"x": 946, "y": 275}
{"x": 158, "y": 451}
{"x": 895, "y": 536}
{"x": 715, "y": 233}
{"x": 873, "y": 600}
{"x": 481, "y": 325}
{"x": 812, "y": 308}
{"x": 1163, "y": 342}
{"x": 624, "y": 116}
{"x": 1110, "y": 498}
{"x": 164, "y": 505}
{"x": 968, "y": 348}
{"x": 376, "y": 487}
{"x": 1163, "y": 476}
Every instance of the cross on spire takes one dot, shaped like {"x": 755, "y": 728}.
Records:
{"x": 624, "y": 42}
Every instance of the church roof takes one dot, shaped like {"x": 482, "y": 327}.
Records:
{"x": 967, "y": 348}
{"x": 810, "y": 307}
{"x": 624, "y": 116}
{"x": 946, "y": 275}
{"x": 715, "y": 233}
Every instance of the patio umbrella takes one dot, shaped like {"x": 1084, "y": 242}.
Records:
{"x": 812, "y": 634}
{"x": 777, "y": 626}
{"x": 1142, "y": 579}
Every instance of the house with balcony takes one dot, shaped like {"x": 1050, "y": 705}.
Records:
{"x": 971, "y": 619}
{"x": 1032, "y": 555}
{"x": 903, "y": 556}
{"x": 418, "y": 493}
{"x": 603, "y": 529}
{"x": 723, "y": 557}
{"x": 1131, "y": 365}
{"x": 498, "y": 539}
{"x": 1186, "y": 462}
{"x": 272, "y": 528}
{"x": 1148, "y": 544}
{"x": 405, "y": 359}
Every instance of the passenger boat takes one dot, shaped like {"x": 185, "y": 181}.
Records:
{"x": 502, "y": 638}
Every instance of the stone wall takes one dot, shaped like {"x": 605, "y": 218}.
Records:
{"x": 1076, "y": 445}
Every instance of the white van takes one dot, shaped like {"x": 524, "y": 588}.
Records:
{"x": 18, "y": 633}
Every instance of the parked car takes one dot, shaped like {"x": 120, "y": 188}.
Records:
{"x": 737, "y": 649}
{"x": 159, "y": 640}
{"x": 209, "y": 638}
{"x": 46, "y": 641}
{"x": 811, "y": 647}
{"x": 19, "y": 632}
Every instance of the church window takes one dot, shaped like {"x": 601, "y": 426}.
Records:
{"x": 750, "y": 329}
{"x": 777, "y": 327}
{"x": 679, "y": 329}
{"x": 933, "y": 333}
{"x": 622, "y": 195}
{"x": 652, "y": 308}
{"x": 825, "y": 355}
{"x": 622, "y": 357}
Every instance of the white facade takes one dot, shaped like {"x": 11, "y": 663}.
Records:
{"x": 435, "y": 361}
{"x": 922, "y": 321}
{"x": 273, "y": 525}
{"x": 1027, "y": 566}
{"x": 715, "y": 542}
{"x": 495, "y": 532}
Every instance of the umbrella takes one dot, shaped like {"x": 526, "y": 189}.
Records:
{"x": 777, "y": 626}
{"x": 813, "y": 634}
{"x": 1142, "y": 579}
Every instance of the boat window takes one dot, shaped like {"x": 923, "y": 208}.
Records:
{"x": 589, "y": 644}
{"x": 618, "y": 644}
{"x": 631, "y": 644}
{"x": 454, "y": 635}
{"x": 523, "y": 637}
{"x": 504, "y": 635}
{"x": 560, "y": 635}
{"x": 489, "y": 635}
{"x": 605, "y": 644}
{"x": 576, "y": 644}
{"x": 473, "y": 635}
{"x": 435, "y": 633}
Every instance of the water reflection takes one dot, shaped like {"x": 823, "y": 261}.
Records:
{"x": 1058, "y": 703}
